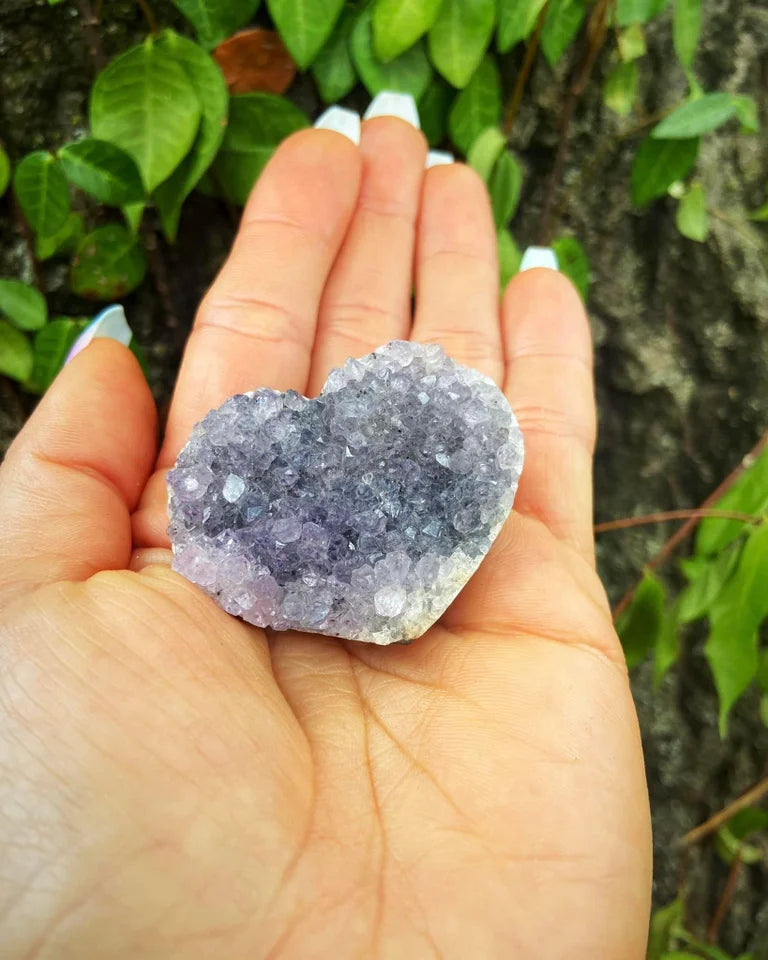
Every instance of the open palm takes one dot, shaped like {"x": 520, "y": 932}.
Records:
{"x": 175, "y": 783}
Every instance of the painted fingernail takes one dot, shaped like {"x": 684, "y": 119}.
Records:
{"x": 388, "y": 103}
{"x": 439, "y": 158}
{"x": 110, "y": 323}
{"x": 539, "y": 257}
{"x": 343, "y": 121}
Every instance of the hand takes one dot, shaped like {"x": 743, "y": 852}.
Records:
{"x": 173, "y": 782}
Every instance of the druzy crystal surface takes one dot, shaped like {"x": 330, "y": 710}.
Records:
{"x": 360, "y": 513}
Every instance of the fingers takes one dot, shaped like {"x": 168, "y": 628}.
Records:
{"x": 367, "y": 301}
{"x": 549, "y": 384}
{"x": 75, "y": 472}
{"x": 256, "y": 325}
{"x": 457, "y": 285}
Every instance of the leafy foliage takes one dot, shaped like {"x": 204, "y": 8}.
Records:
{"x": 692, "y": 217}
{"x": 22, "y": 305}
{"x": 573, "y": 262}
{"x": 213, "y": 20}
{"x": 477, "y": 106}
{"x": 517, "y": 18}
{"x": 109, "y": 263}
{"x": 41, "y": 189}
{"x": 398, "y": 24}
{"x": 305, "y": 25}
{"x": 702, "y": 115}
{"x": 408, "y": 73}
{"x": 460, "y": 37}
{"x": 5, "y": 171}
{"x": 102, "y": 170}
{"x": 333, "y": 69}
{"x": 658, "y": 164}
{"x": 16, "y": 357}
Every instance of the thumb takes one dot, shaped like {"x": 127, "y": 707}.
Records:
{"x": 76, "y": 470}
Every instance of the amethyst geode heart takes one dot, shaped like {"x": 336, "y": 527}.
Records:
{"x": 359, "y": 514}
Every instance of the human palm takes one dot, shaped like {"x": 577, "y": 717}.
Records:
{"x": 176, "y": 783}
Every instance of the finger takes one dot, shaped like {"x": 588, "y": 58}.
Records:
{"x": 367, "y": 300}
{"x": 256, "y": 325}
{"x": 550, "y": 387}
{"x": 457, "y": 285}
{"x": 75, "y": 472}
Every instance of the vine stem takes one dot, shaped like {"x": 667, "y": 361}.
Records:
{"x": 91, "y": 23}
{"x": 697, "y": 514}
{"x": 525, "y": 71}
{"x": 149, "y": 16}
{"x": 725, "y": 900}
{"x": 752, "y": 796}
{"x": 683, "y": 532}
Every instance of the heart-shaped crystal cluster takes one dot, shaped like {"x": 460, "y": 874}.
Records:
{"x": 360, "y": 513}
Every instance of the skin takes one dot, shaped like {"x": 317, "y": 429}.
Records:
{"x": 176, "y": 783}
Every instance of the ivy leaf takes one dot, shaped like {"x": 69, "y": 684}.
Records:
{"x": 305, "y": 25}
{"x": 573, "y": 262}
{"x": 695, "y": 117}
{"x": 23, "y": 305}
{"x": 692, "y": 218}
{"x": 434, "y": 107}
{"x": 42, "y": 192}
{"x": 564, "y": 18}
{"x": 517, "y": 18}
{"x": 460, "y": 37}
{"x": 477, "y": 106}
{"x": 666, "y": 650}
{"x": 333, "y": 69}
{"x": 746, "y": 111}
{"x": 504, "y": 187}
{"x": 15, "y": 353}
{"x": 102, "y": 170}
{"x": 5, "y": 171}
{"x": 707, "y": 577}
{"x": 510, "y": 256}
{"x": 51, "y": 346}
{"x": 749, "y": 494}
{"x": 144, "y": 103}
{"x": 638, "y": 11}
{"x": 398, "y": 24}
{"x": 213, "y": 20}
{"x": 485, "y": 151}
{"x": 731, "y": 648}
{"x": 631, "y": 43}
{"x": 663, "y": 923}
{"x": 207, "y": 81}
{"x": 64, "y": 241}
{"x": 620, "y": 88}
{"x": 686, "y": 27}
{"x": 658, "y": 164}
{"x": 641, "y": 623}
{"x": 109, "y": 263}
{"x": 408, "y": 73}
{"x": 257, "y": 124}
{"x": 742, "y": 825}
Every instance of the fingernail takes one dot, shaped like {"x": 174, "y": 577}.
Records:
{"x": 539, "y": 257}
{"x": 110, "y": 323}
{"x": 388, "y": 103}
{"x": 343, "y": 121}
{"x": 438, "y": 158}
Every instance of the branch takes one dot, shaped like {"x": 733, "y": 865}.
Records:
{"x": 725, "y": 900}
{"x": 698, "y": 514}
{"x": 752, "y": 796}
{"x": 525, "y": 70}
{"x": 90, "y": 23}
{"x": 149, "y": 16}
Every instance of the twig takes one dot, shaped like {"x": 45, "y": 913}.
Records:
{"x": 689, "y": 526}
{"x": 149, "y": 16}
{"x": 525, "y": 70}
{"x": 698, "y": 514}
{"x": 90, "y": 23}
{"x": 753, "y": 795}
{"x": 725, "y": 900}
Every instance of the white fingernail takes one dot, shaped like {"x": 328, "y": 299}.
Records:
{"x": 343, "y": 121}
{"x": 539, "y": 257}
{"x": 388, "y": 103}
{"x": 110, "y": 323}
{"x": 438, "y": 158}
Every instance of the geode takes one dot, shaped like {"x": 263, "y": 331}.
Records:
{"x": 358, "y": 514}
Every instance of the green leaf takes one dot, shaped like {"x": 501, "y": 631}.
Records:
{"x": 638, "y": 11}
{"x": 573, "y": 262}
{"x": 667, "y": 649}
{"x": 504, "y": 187}
{"x": 64, "y": 241}
{"x": 408, "y": 73}
{"x": 749, "y": 494}
{"x": 42, "y": 192}
{"x": 5, "y": 171}
{"x": 686, "y": 27}
{"x": 477, "y": 106}
{"x": 434, "y": 107}
{"x": 641, "y": 623}
{"x": 23, "y": 305}
{"x": 707, "y": 577}
{"x": 398, "y": 24}
{"x": 564, "y": 18}
{"x": 731, "y": 837}
{"x": 144, "y": 103}
{"x": 764, "y": 709}
{"x": 696, "y": 117}
{"x": 517, "y": 18}
{"x": 215, "y": 20}
{"x": 510, "y": 256}
{"x": 15, "y": 353}
{"x": 746, "y": 111}
{"x": 51, "y": 346}
{"x": 460, "y": 37}
{"x": 109, "y": 263}
{"x": 731, "y": 648}
{"x": 333, "y": 69}
{"x": 258, "y": 122}
{"x": 663, "y": 922}
{"x": 692, "y": 218}
{"x": 208, "y": 83}
{"x": 304, "y": 25}
{"x": 620, "y": 88}
{"x": 133, "y": 214}
{"x": 485, "y": 151}
{"x": 658, "y": 164}
{"x": 102, "y": 170}
{"x": 680, "y": 955}
{"x": 631, "y": 43}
